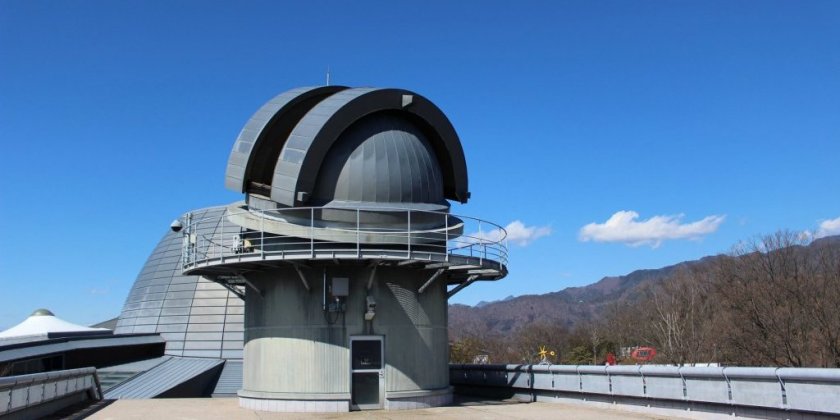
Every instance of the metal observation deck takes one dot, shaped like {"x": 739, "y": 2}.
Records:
{"x": 226, "y": 248}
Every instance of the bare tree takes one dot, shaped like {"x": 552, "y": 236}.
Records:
{"x": 824, "y": 299}
{"x": 680, "y": 319}
{"x": 772, "y": 301}
{"x": 465, "y": 350}
{"x": 624, "y": 324}
{"x": 595, "y": 340}
{"x": 532, "y": 337}
{"x": 765, "y": 290}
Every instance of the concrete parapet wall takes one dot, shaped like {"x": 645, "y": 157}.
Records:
{"x": 296, "y": 405}
{"x": 337, "y": 403}
{"x": 416, "y": 400}
{"x": 771, "y": 392}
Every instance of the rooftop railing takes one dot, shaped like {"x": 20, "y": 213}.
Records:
{"x": 763, "y": 392}
{"x": 25, "y": 394}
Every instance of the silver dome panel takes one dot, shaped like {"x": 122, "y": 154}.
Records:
{"x": 380, "y": 159}
{"x": 259, "y": 143}
{"x": 195, "y": 316}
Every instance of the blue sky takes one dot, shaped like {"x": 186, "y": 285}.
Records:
{"x": 718, "y": 119}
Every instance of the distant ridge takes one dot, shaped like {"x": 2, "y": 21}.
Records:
{"x": 569, "y": 306}
{"x": 485, "y": 303}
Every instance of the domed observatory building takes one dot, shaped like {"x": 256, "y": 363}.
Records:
{"x": 344, "y": 250}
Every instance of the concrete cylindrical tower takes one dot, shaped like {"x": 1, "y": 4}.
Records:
{"x": 344, "y": 249}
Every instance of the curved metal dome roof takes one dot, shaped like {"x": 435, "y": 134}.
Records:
{"x": 42, "y": 312}
{"x": 383, "y": 158}
{"x": 284, "y": 146}
{"x": 196, "y": 317}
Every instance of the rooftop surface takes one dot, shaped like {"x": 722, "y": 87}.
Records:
{"x": 228, "y": 408}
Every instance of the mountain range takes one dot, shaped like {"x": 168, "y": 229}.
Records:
{"x": 570, "y": 306}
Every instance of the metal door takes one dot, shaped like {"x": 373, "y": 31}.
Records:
{"x": 367, "y": 373}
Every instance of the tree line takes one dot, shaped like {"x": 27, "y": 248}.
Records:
{"x": 773, "y": 301}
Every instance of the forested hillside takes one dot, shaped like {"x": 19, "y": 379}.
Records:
{"x": 773, "y": 301}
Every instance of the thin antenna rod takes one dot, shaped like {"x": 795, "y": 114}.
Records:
{"x": 328, "y": 75}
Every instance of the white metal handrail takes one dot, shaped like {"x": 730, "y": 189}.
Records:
{"x": 773, "y": 392}
{"x": 18, "y": 393}
{"x": 415, "y": 234}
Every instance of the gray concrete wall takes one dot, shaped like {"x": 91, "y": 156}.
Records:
{"x": 292, "y": 348}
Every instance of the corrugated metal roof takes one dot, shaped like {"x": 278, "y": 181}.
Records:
{"x": 139, "y": 366}
{"x": 57, "y": 345}
{"x": 109, "y": 324}
{"x": 162, "y": 378}
{"x": 113, "y": 376}
{"x": 230, "y": 381}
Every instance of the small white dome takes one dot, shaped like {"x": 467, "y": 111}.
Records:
{"x": 41, "y": 323}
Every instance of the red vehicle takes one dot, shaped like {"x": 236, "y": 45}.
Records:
{"x": 643, "y": 354}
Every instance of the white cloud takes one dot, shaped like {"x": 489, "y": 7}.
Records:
{"x": 98, "y": 290}
{"x": 517, "y": 233}
{"x": 624, "y": 226}
{"x": 829, "y": 227}
{"x": 520, "y": 234}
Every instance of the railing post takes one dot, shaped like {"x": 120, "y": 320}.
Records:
{"x": 409, "y": 233}
{"x": 358, "y": 236}
{"x": 262, "y": 234}
{"x": 782, "y": 385}
{"x": 191, "y": 247}
{"x": 531, "y": 383}
{"x": 185, "y": 241}
{"x": 446, "y": 236}
{"x": 312, "y": 232}
{"x": 222, "y": 237}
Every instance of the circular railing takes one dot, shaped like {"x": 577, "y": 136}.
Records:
{"x": 242, "y": 234}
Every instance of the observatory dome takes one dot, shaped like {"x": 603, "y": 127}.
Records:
{"x": 330, "y": 281}
{"x": 334, "y": 145}
{"x": 382, "y": 159}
